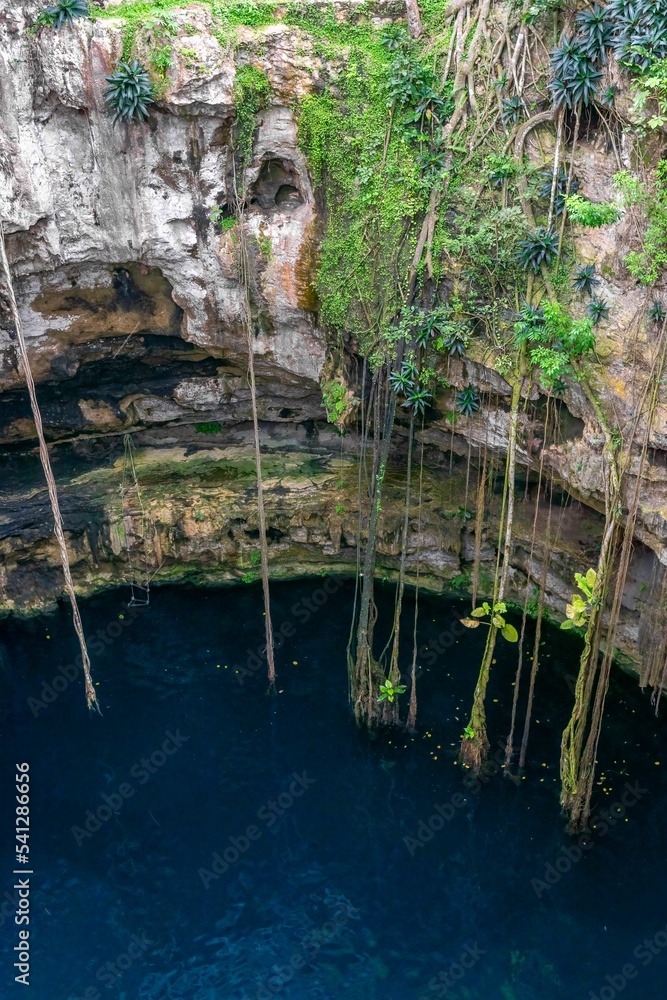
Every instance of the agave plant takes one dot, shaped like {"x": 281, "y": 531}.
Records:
{"x": 597, "y": 310}
{"x": 402, "y": 382}
{"x": 512, "y": 110}
{"x": 584, "y": 279}
{"x": 129, "y": 93}
{"x": 466, "y": 401}
{"x": 418, "y": 400}
{"x": 657, "y": 312}
{"x": 455, "y": 341}
{"x": 63, "y": 12}
{"x": 540, "y": 247}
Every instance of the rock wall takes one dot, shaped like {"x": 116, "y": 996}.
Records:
{"x": 133, "y": 312}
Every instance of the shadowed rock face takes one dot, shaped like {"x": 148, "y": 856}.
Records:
{"x": 133, "y": 312}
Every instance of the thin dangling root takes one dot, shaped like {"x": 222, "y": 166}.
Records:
{"x": 91, "y": 697}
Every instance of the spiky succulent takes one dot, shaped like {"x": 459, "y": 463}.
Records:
{"x": 63, "y": 12}
{"x": 657, "y": 312}
{"x": 595, "y": 32}
{"x": 466, "y": 401}
{"x": 597, "y": 310}
{"x": 401, "y": 381}
{"x": 455, "y": 341}
{"x": 418, "y": 400}
{"x": 513, "y": 110}
{"x": 584, "y": 279}
{"x": 129, "y": 93}
{"x": 639, "y": 31}
{"x": 540, "y": 247}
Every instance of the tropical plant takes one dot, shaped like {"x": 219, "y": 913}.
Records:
{"x": 495, "y": 614}
{"x": 597, "y": 310}
{"x": 595, "y": 32}
{"x": 657, "y": 312}
{"x": 418, "y": 400}
{"x": 467, "y": 401}
{"x": 468, "y": 733}
{"x": 129, "y": 93}
{"x": 513, "y": 110}
{"x": 388, "y": 691}
{"x": 575, "y": 76}
{"x": 63, "y": 12}
{"x": 540, "y": 247}
{"x": 579, "y": 610}
{"x": 584, "y": 279}
{"x": 500, "y": 168}
{"x": 591, "y": 214}
{"x": 454, "y": 339}
{"x": 404, "y": 380}
{"x": 639, "y": 33}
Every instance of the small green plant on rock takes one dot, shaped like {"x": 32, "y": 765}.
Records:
{"x": 588, "y": 213}
{"x": 540, "y": 247}
{"x": 584, "y": 279}
{"x": 129, "y": 93}
{"x": 467, "y": 401}
{"x": 334, "y": 397}
{"x": 579, "y": 610}
{"x": 62, "y": 13}
{"x": 496, "y": 618}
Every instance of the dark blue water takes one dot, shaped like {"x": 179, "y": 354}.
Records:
{"x": 201, "y": 840}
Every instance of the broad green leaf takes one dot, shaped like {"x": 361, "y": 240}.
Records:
{"x": 510, "y": 633}
{"x": 567, "y": 624}
{"x": 498, "y": 621}
{"x": 479, "y": 613}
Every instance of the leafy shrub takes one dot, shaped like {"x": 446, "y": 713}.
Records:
{"x": 540, "y": 247}
{"x": 639, "y": 32}
{"x": 418, "y": 400}
{"x": 500, "y": 169}
{"x": 129, "y": 93}
{"x": 591, "y": 214}
{"x": 546, "y": 186}
{"x": 554, "y": 339}
{"x": 62, "y": 12}
{"x": 334, "y": 397}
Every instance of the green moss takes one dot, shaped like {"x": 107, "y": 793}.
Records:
{"x": 334, "y": 399}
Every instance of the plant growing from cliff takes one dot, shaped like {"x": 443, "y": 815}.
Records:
{"x": 597, "y": 310}
{"x": 584, "y": 279}
{"x": 591, "y": 214}
{"x": 418, "y": 400}
{"x": 63, "y": 12}
{"x": 564, "y": 184}
{"x": 539, "y": 249}
{"x": 454, "y": 339}
{"x": 251, "y": 95}
{"x": 513, "y": 110}
{"x": 334, "y": 397}
{"x": 129, "y": 93}
{"x": 657, "y": 312}
{"x": 648, "y": 263}
{"x": 467, "y": 401}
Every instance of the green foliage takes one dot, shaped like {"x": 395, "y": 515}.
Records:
{"x": 220, "y": 219}
{"x": 579, "y": 610}
{"x": 468, "y": 733}
{"x": 208, "y": 428}
{"x": 584, "y": 279}
{"x": 495, "y": 614}
{"x": 500, "y": 168}
{"x": 540, "y": 247}
{"x": 513, "y": 110}
{"x": 467, "y": 401}
{"x": 588, "y": 213}
{"x": 334, "y": 397}
{"x": 648, "y": 263}
{"x": 160, "y": 60}
{"x": 563, "y": 179}
{"x": 462, "y": 581}
{"x": 251, "y": 94}
{"x": 388, "y": 692}
{"x": 657, "y": 312}
{"x": 63, "y": 12}
{"x": 339, "y": 508}
{"x": 255, "y": 557}
{"x": 129, "y": 93}
{"x": 265, "y": 246}
{"x": 597, "y": 309}
{"x": 554, "y": 338}
{"x": 638, "y": 32}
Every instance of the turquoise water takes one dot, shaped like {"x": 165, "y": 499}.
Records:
{"x": 201, "y": 840}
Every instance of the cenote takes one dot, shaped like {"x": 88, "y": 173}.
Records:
{"x": 357, "y": 864}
